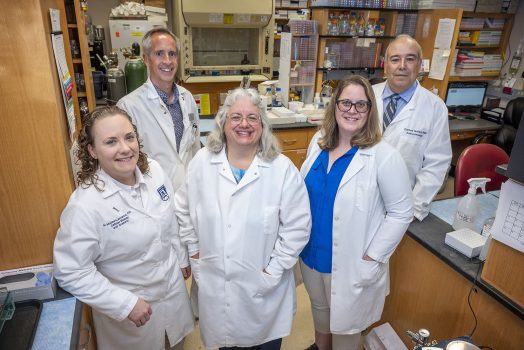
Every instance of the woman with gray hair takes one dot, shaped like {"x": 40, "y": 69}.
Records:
{"x": 244, "y": 214}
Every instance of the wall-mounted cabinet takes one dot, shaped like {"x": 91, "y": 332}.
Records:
{"x": 355, "y": 39}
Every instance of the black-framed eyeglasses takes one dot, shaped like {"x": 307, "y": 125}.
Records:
{"x": 360, "y": 106}
{"x": 236, "y": 119}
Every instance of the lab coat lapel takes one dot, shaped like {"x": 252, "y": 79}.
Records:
{"x": 354, "y": 167}
{"x": 161, "y": 118}
{"x": 251, "y": 175}
{"x": 220, "y": 160}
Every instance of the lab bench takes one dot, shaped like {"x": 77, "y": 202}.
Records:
{"x": 433, "y": 286}
{"x": 62, "y": 324}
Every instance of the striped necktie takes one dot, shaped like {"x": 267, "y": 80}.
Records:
{"x": 391, "y": 108}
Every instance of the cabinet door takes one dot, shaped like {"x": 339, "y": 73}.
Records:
{"x": 292, "y": 139}
{"x": 297, "y": 156}
{"x": 86, "y": 338}
{"x": 427, "y": 27}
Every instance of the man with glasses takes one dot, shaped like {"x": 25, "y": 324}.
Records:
{"x": 415, "y": 121}
{"x": 165, "y": 113}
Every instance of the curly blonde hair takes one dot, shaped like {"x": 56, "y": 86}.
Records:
{"x": 87, "y": 176}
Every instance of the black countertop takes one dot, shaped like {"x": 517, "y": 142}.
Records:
{"x": 431, "y": 232}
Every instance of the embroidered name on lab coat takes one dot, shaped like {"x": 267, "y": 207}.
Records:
{"x": 120, "y": 221}
{"x": 163, "y": 193}
{"x": 418, "y": 133}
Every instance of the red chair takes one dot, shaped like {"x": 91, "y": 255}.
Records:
{"x": 479, "y": 160}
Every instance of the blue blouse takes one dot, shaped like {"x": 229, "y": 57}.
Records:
{"x": 322, "y": 188}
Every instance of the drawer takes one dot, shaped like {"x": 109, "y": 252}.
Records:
{"x": 292, "y": 139}
{"x": 297, "y": 156}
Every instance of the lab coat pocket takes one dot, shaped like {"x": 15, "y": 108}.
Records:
{"x": 195, "y": 269}
{"x": 268, "y": 283}
{"x": 271, "y": 220}
{"x": 369, "y": 272}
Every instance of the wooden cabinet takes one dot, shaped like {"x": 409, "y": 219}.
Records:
{"x": 294, "y": 143}
{"x": 86, "y": 337}
{"x": 427, "y": 25}
{"x": 35, "y": 181}
{"x": 72, "y": 22}
{"x": 343, "y": 48}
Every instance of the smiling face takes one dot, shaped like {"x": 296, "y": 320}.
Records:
{"x": 162, "y": 61}
{"x": 351, "y": 122}
{"x": 116, "y": 148}
{"x": 402, "y": 64}
{"x": 244, "y": 134}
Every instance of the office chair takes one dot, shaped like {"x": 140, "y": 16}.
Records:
{"x": 505, "y": 136}
{"x": 479, "y": 160}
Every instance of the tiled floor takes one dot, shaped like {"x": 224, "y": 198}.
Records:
{"x": 302, "y": 334}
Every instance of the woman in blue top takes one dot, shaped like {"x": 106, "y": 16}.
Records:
{"x": 361, "y": 206}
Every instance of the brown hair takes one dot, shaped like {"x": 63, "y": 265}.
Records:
{"x": 87, "y": 176}
{"x": 370, "y": 133}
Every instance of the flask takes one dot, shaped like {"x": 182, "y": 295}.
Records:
{"x": 515, "y": 61}
{"x": 468, "y": 207}
{"x": 317, "y": 101}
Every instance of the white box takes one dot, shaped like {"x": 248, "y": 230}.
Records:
{"x": 383, "y": 337}
{"x": 33, "y": 282}
{"x": 466, "y": 241}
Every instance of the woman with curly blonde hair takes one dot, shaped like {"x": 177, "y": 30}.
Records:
{"x": 116, "y": 246}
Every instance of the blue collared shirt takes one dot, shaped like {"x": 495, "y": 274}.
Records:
{"x": 322, "y": 188}
{"x": 405, "y": 96}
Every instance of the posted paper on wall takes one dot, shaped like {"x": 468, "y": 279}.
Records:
{"x": 446, "y": 27}
{"x": 439, "y": 62}
{"x": 508, "y": 227}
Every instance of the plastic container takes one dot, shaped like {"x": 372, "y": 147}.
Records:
{"x": 98, "y": 83}
{"x": 468, "y": 207}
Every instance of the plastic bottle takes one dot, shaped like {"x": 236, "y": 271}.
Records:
{"x": 278, "y": 98}
{"x": 317, "y": 101}
{"x": 468, "y": 207}
{"x": 269, "y": 98}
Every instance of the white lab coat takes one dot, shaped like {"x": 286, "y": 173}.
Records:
{"x": 375, "y": 182}
{"x": 109, "y": 252}
{"x": 157, "y": 132}
{"x": 263, "y": 222}
{"x": 420, "y": 132}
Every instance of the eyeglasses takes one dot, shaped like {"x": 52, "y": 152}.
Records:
{"x": 236, "y": 119}
{"x": 360, "y": 106}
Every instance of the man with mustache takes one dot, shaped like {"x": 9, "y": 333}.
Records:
{"x": 415, "y": 121}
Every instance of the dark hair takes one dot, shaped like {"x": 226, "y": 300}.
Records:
{"x": 370, "y": 133}
{"x": 87, "y": 176}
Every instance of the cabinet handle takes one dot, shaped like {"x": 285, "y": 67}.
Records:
{"x": 289, "y": 142}
{"x": 85, "y": 346}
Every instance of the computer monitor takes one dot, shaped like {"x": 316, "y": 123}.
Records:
{"x": 466, "y": 96}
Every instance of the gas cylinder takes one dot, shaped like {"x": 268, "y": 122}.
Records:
{"x": 136, "y": 73}
{"x": 116, "y": 85}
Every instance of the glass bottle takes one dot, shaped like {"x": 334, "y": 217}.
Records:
{"x": 361, "y": 24}
{"x": 343, "y": 24}
{"x": 353, "y": 24}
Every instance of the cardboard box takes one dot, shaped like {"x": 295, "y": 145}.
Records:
{"x": 34, "y": 282}
{"x": 383, "y": 337}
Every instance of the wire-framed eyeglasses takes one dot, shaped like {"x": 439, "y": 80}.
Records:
{"x": 236, "y": 118}
{"x": 360, "y": 106}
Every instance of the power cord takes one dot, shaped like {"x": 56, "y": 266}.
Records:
{"x": 474, "y": 289}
